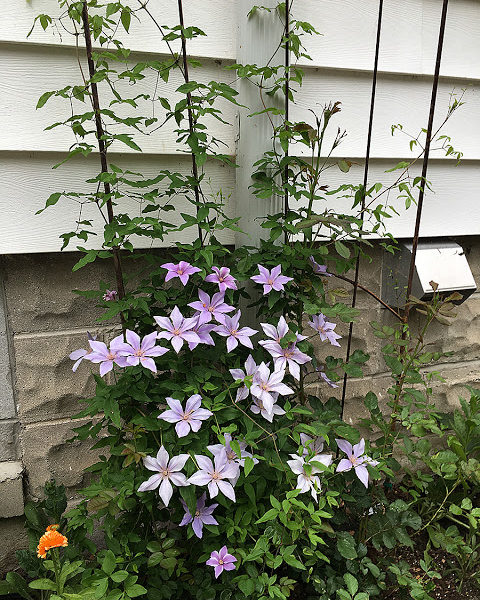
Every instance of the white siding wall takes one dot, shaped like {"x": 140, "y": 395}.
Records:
{"x": 341, "y": 70}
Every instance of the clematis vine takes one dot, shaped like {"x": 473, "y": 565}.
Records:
{"x": 79, "y": 355}
{"x": 271, "y": 280}
{"x": 325, "y": 329}
{"x": 356, "y": 460}
{"x": 265, "y": 384}
{"x": 203, "y": 515}
{"x": 232, "y": 456}
{"x": 223, "y": 278}
{"x": 167, "y": 472}
{"x": 178, "y": 329}
{"x": 215, "y": 475}
{"x": 138, "y": 351}
{"x": 189, "y": 419}
{"x": 258, "y": 408}
{"x": 209, "y": 309}
{"x": 107, "y": 357}
{"x": 230, "y": 329}
{"x": 221, "y": 560}
{"x": 250, "y": 369}
{"x": 307, "y": 480}
{"x": 318, "y": 269}
{"x": 182, "y": 270}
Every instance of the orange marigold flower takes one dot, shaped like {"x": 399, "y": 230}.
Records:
{"x": 53, "y": 527}
{"x": 50, "y": 539}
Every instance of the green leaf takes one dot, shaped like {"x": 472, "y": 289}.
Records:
{"x": 351, "y": 582}
{"x": 268, "y": 516}
{"x": 293, "y": 562}
{"x": 119, "y": 576}
{"x": 44, "y": 98}
{"x": 43, "y": 584}
{"x": 18, "y": 584}
{"x": 109, "y": 562}
{"x": 135, "y": 590}
{"x": 342, "y": 249}
{"x": 126, "y": 18}
{"x": 346, "y": 546}
{"x": 248, "y": 466}
{"x": 127, "y": 140}
{"x": 247, "y": 586}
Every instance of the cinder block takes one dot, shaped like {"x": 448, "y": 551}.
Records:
{"x": 8, "y": 440}
{"x": 46, "y": 455}
{"x": 11, "y": 489}
{"x": 13, "y": 536}
{"x": 7, "y": 403}
{"x": 47, "y": 388}
{"x": 39, "y": 293}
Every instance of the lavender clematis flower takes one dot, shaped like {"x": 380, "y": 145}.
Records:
{"x": 250, "y": 369}
{"x": 203, "y": 515}
{"x": 79, "y": 355}
{"x": 229, "y": 329}
{"x": 203, "y": 330}
{"x": 182, "y": 270}
{"x": 223, "y": 278}
{"x": 178, "y": 329}
{"x": 138, "y": 351}
{"x": 215, "y": 477}
{"x": 289, "y": 356}
{"x": 318, "y": 269}
{"x": 258, "y": 408}
{"x": 265, "y": 384}
{"x": 167, "y": 472}
{"x": 311, "y": 445}
{"x": 356, "y": 460}
{"x": 231, "y": 455}
{"x": 274, "y": 333}
{"x": 211, "y": 309}
{"x": 271, "y": 280}
{"x": 189, "y": 419}
{"x": 221, "y": 560}
{"x": 308, "y": 482}
{"x": 110, "y": 295}
{"x": 323, "y": 376}
{"x": 107, "y": 356}
{"x": 325, "y": 329}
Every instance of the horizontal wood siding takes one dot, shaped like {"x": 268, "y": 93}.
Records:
{"x": 340, "y": 70}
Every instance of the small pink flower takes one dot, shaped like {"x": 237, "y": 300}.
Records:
{"x": 221, "y": 560}
{"x": 107, "y": 356}
{"x": 178, "y": 329}
{"x": 235, "y": 334}
{"x": 189, "y": 419}
{"x": 182, "y": 270}
{"x": 223, "y": 278}
{"x": 141, "y": 351}
{"x": 110, "y": 295}
{"x": 271, "y": 280}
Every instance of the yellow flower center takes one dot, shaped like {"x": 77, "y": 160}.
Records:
{"x": 176, "y": 332}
